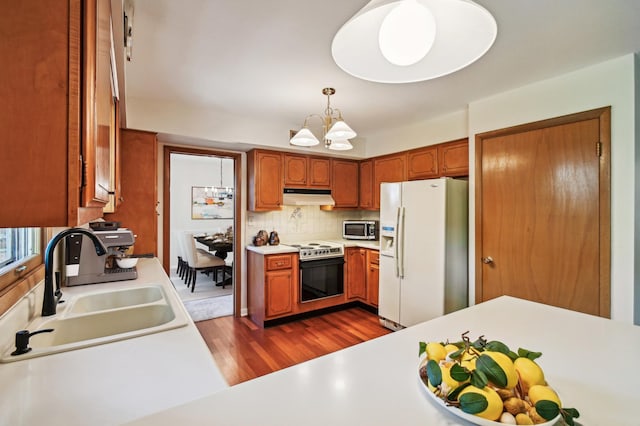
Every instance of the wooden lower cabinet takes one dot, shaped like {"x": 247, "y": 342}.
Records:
{"x": 362, "y": 275}
{"x": 272, "y": 285}
{"x": 373, "y": 277}
{"x": 356, "y": 285}
{"x": 278, "y": 293}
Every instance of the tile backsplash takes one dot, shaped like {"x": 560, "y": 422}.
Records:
{"x": 302, "y": 223}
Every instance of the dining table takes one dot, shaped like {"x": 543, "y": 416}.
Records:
{"x": 219, "y": 246}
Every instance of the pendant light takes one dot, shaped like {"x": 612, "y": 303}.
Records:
{"x": 335, "y": 131}
{"x": 404, "y": 41}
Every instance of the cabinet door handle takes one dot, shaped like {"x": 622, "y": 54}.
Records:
{"x": 487, "y": 260}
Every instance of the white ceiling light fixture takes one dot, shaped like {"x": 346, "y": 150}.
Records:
{"x": 335, "y": 131}
{"x": 404, "y": 41}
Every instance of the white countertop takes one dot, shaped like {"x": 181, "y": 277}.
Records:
{"x": 590, "y": 361}
{"x": 280, "y": 248}
{"x": 283, "y": 248}
{"x": 111, "y": 383}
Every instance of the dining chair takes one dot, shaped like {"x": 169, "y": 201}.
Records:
{"x": 199, "y": 261}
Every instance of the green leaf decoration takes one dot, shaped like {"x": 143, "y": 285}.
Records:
{"x": 568, "y": 414}
{"x": 479, "y": 344}
{"x": 434, "y": 373}
{"x": 547, "y": 409}
{"x": 473, "y": 403}
{"x": 479, "y": 379}
{"x": 423, "y": 348}
{"x": 457, "y": 354}
{"x": 525, "y": 353}
{"x": 453, "y": 395}
{"x": 493, "y": 371}
{"x": 497, "y": 346}
{"x": 512, "y": 355}
{"x": 458, "y": 373}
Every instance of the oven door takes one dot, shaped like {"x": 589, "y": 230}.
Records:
{"x": 321, "y": 278}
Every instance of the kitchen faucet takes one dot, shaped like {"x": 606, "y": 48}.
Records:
{"x": 51, "y": 299}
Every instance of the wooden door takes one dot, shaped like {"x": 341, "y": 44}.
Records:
{"x": 345, "y": 183}
{"x": 139, "y": 189}
{"x": 543, "y": 220}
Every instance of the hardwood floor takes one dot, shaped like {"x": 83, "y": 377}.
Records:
{"x": 243, "y": 351}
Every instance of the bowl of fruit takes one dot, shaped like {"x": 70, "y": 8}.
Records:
{"x": 487, "y": 383}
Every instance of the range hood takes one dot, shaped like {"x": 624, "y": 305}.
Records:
{"x": 307, "y": 197}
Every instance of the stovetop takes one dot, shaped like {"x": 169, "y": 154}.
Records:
{"x": 313, "y": 250}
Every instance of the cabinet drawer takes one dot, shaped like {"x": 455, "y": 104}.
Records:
{"x": 279, "y": 262}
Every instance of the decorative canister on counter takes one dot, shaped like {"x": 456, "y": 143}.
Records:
{"x": 274, "y": 240}
{"x": 261, "y": 239}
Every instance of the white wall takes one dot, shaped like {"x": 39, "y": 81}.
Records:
{"x": 194, "y": 170}
{"x": 608, "y": 83}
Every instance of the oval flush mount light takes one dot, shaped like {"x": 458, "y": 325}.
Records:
{"x": 407, "y": 33}
{"x": 463, "y": 32}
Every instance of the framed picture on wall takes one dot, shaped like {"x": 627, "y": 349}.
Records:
{"x": 210, "y": 202}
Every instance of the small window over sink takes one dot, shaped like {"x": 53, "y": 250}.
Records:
{"x": 20, "y": 253}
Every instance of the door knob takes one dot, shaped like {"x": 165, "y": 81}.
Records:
{"x": 487, "y": 260}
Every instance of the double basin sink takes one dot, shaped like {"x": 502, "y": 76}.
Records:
{"x": 102, "y": 317}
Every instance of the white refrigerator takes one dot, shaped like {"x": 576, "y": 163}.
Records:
{"x": 423, "y": 250}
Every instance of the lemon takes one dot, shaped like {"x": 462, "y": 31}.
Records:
{"x": 530, "y": 373}
{"x": 450, "y": 383}
{"x": 494, "y": 407}
{"x": 542, "y": 392}
{"x": 523, "y": 419}
{"x": 436, "y": 351}
{"x": 505, "y": 363}
{"x": 449, "y": 348}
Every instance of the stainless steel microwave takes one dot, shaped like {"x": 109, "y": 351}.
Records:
{"x": 360, "y": 229}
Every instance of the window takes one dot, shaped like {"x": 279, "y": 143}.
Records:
{"x": 20, "y": 253}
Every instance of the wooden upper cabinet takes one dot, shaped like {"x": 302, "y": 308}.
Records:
{"x": 320, "y": 172}
{"x": 390, "y": 168}
{"x": 365, "y": 196}
{"x": 295, "y": 170}
{"x": 453, "y": 158}
{"x": 345, "y": 183}
{"x": 139, "y": 189}
{"x": 264, "y": 180}
{"x": 422, "y": 163}
{"x": 43, "y": 162}
{"x": 305, "y": 171}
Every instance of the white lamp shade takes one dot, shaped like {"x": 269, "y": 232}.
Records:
{"x": 304, "y": 138}
{"x": 340, "y": 130}
{"x": 340, "y": 145}
{"x": 465, "y": 31}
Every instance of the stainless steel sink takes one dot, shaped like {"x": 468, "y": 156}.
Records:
{"x": 102, "y": 317}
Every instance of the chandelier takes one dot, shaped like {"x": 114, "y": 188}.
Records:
{"x": 335, "y": 132}
{"x": 404, "y": 41}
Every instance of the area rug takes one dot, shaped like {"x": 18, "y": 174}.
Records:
{"x": 213, "y": 307}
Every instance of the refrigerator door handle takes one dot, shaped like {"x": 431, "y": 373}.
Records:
{"x": 400, "y": 243}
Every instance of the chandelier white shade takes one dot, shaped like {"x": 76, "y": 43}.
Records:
{"x": 403, "y": 41}
{"x": 340, "y": 145}
{"x": 304, "y": 138}
{"x": 335, "y": 131}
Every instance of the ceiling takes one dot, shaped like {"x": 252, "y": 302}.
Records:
{"x": 271, "y": 59}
